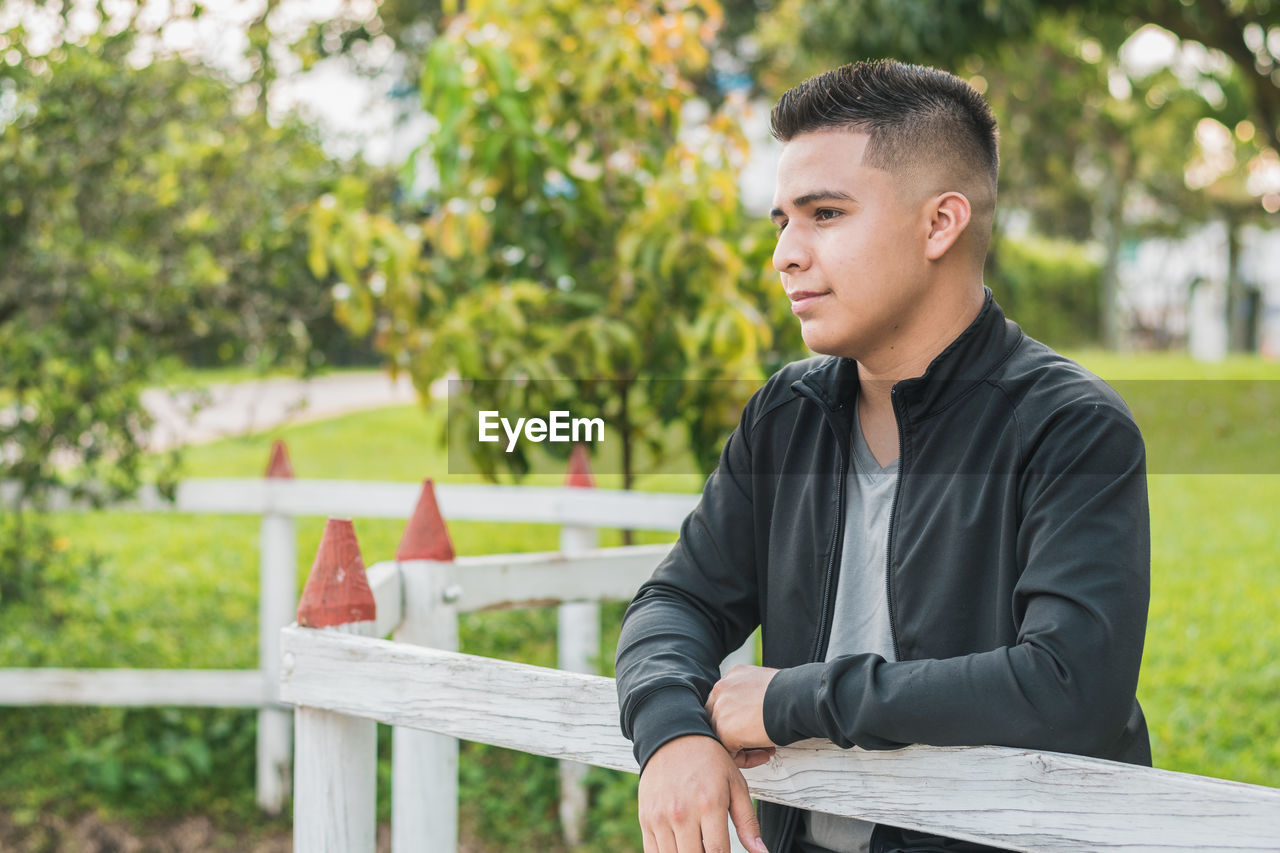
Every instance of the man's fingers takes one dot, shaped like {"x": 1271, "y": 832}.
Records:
{"x": 715, "y": 833}
{"x": 754, "y": 757}
{"x": 688, "y": 837}
{"x": 744, "y": 816}
{"x": 665, "y": 840}
{"x": 686, "y": 790}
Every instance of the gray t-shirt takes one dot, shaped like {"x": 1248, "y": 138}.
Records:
{"x": 861, "y": 621}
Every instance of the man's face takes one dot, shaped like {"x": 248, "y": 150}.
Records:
{"x": 850, "y": 245}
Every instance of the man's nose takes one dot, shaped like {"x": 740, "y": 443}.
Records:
{"x": 791, "y": 253}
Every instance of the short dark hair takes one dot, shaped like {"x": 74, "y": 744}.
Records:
{"x": 912, "y": 115}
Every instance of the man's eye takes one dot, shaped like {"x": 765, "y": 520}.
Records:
{"x": 780, "y": 226}
{"x": 826, "y": 214}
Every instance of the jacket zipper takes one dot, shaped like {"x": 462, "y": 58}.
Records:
{"x": 819, "y": 642}
{"x": 893, "y": 518}
{"x": 791, "y": 815}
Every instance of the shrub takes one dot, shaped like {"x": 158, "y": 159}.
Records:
{"x": 1050, "y": 287}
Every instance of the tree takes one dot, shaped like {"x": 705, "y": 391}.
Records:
{"x": 1247, "y": 32}
{"x": 1230, "y": 170}
{"x": 919, "y": 31}
{"x": 145, "y": 212}
{"x": 791, "y": 34}
{"x": 584, "y": 246}
{"x": 1091, "y": 150}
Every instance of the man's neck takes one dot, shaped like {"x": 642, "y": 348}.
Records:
{"x": 907, "y": 356}
{"x": 909, "y": 353}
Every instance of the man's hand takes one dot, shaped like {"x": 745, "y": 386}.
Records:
{"x": 736, "y": 706}
{"x": 686, "y": 789}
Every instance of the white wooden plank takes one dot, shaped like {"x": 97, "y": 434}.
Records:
{"x": 512, "y": 580}
{"x": 424, "y": 765}
{"x": 577, "y": 650}
{"x": 455, "y": 694}
{"x": 341, "y": 498}
{"x": 744, "y": 655}
{"x": 1012, "y": 798}
{"x": 335, "y": 780}
{"x": 362, "y": 499}
{"x": 566, "y": 505}
{"x": 424, "y": 791}
{"x": 274, "y": 759}
{"x": 578, "y": 622}
{"x": 277, "y": 603}
{"x": 335, "y": 769}
{"x": 214, "y": 688}
{"x": 388, "y": 597}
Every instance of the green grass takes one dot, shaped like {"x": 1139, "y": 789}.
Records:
{"x": 1200, "y": 418}
{"x": 1159, "y": 365}
{"x": 178, "y": 375}
{"x": 1211, "y": 673}
{"x": 170, "y": 591}
{"x": 405, "y": 443}
{"x": 181, "y": 591}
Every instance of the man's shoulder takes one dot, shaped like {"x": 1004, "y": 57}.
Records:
{"x": 1042, "y": 382}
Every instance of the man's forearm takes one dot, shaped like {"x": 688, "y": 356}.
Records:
{"x": 1025, "y": 696}
{"x": 668, "y": 660}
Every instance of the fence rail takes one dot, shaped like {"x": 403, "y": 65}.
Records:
{"x": 560, "y": 505}
{"x": 206, "y": 688}
{"x": 340, "y": 683}
{"x": 1018, "y": 799}
{"x": 473, "y": 583}
{"x": 493, "y": 582}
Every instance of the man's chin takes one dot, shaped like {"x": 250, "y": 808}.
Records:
{"x": 823, "y": 345}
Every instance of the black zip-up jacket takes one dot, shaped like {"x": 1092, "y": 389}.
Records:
{"x": 1017, "y": 571}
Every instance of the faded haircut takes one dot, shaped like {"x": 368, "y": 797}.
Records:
{"x": 914, "y": 117}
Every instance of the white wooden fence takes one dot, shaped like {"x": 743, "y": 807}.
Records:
{"x": 341, "y": 683}
{"x": 278, "y": 500}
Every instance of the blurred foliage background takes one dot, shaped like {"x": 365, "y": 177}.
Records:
{"x": 572, "y": 209}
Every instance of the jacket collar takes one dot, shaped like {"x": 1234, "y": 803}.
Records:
{"x": 966, "y": 361}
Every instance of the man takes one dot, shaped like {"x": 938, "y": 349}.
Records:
{"x": 941, "y": 527}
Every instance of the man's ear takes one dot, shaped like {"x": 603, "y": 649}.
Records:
{"x": 949, "y": 216}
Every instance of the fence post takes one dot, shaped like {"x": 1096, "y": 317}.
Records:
{"x": 424, "y": 765}
{"x": 335, "y": 766}
{"x": 746, "y": 655}
{"x": 578, "y": 648}
{"x": 277, "y": 598}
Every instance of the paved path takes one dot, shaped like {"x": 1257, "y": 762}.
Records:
{"x": 229, "y": 409}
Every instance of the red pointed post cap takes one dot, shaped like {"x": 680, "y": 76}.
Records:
{"x": 279, "y": 468}
{"x": 425, "y": 536}
{"x": 579, "y": 469}
{"x": 337, "y": 591}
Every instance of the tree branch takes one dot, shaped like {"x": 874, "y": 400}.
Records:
{"x": 1225, "y": 31}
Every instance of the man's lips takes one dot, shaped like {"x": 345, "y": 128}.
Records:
{"x": 803, "y": 299}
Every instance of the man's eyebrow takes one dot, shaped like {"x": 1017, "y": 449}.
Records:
{"x": 812, "y": 198}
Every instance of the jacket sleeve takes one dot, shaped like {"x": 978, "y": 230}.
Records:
{"x": 1068, "y": 684}
{"x": 699, "y": 605}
